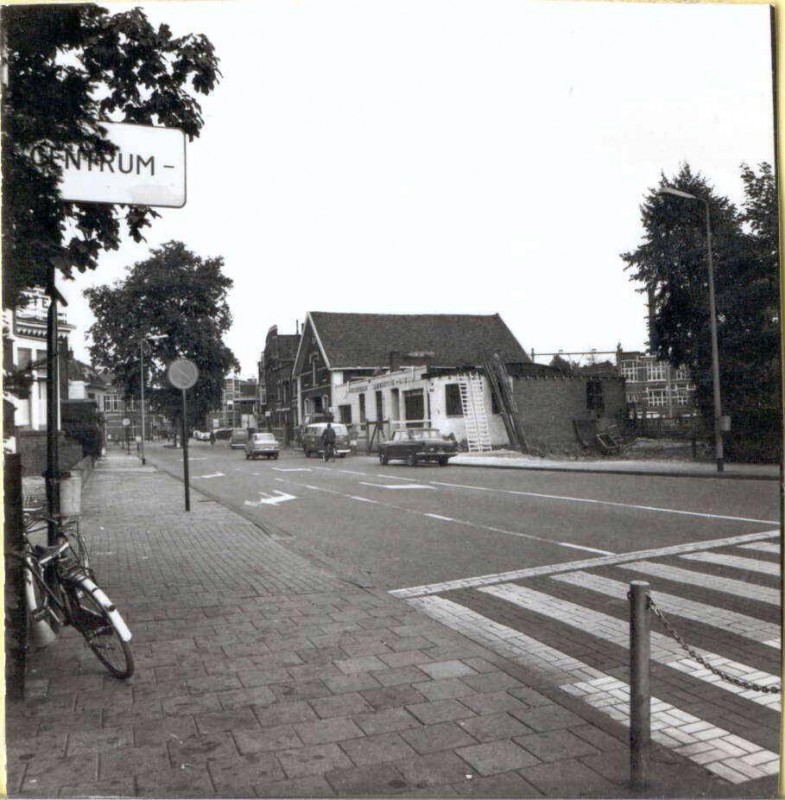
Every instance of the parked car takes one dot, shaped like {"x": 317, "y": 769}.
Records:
{"x": 262, "y": 444}
{"x": 312, "y": 439}
{"x": 413, "y": 445}
{"x": 238, "y": 438}
{"x": 202, "y": 436}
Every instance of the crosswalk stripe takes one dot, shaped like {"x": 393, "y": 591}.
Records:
{"x": 568, "y": 566}
{"x": 664, "y": 649}
{"x": 764, "y": 547}
{"x": 762, "y": 594}
{"x": 741, "y": 624}
{"x": 725, "y": 560}
{"x": 731, "y": 757}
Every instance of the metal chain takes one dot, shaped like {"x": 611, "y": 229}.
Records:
{"x": 755, "y": 687}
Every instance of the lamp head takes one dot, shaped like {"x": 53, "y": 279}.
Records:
{"x": 676, "y": 193}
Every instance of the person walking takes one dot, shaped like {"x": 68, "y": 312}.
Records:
{"x": 328, "y": 443}
{"x": 212, "y": 437}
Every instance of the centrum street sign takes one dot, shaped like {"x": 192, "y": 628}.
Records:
{"x": 148, "y": 168}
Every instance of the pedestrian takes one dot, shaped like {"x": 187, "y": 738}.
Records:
{"x": 328, "y": 442}
{"x": 212, "y": 437}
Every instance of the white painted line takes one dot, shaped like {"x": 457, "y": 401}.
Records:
{"x": 206, "y": 477}
{"x": 752, "y": 591}
{"x": 439, "y": 516}
{"x": 737, "y": 562}
{"x": 352, "y": 472}
{"x": 362, "y": 499}
{"x": 396, "y": 486}
{"x": 591, "y": 501}
{"x": 569, "y": 566}
{"x": 664, "y": 649}
{"x": 197, "y": 458}
{"x": 587, "y": 549}
{"x": 271, "y": 500}
{"x": 673, "y": 728}
{"x": 292, "y": 469}
{"x": 764, "y": 547}
{"x": 742, "y": 625}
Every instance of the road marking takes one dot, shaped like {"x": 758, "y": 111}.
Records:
{"x": 741, "y": 624}
{"x": 396, "y": 486}
{"x": 664, "y": 649}
{"x": 590, "y": 501}
{"x": 570, "y": 566}
{"x": 270, "y": 500}
{"x": 748, "y": 564}
{"x": 197, "y": 458}
{"x": 751, "y": 591}
{"x": 214, "y": 475}
{"x": 764, "y": 547}
{"x": 439, "y": 516}
{"x": 588, "y": 549}
{"x": 292, "y": 469}
{"x": 362, "y": 499}
{"x": 719, "y": 751}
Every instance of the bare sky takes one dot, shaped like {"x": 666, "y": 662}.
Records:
{"x": 452, "y": 156}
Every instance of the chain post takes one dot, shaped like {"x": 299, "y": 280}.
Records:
{"x": 640, "y": 684}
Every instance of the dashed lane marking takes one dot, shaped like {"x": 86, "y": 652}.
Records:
{"x": 611, "y": 503}
{"x": 751, "y": 591}
{"x": 732, "y": 757}
{"x": 747, "y": 564}
{"x": 570, "y": 566}
{"x": 292, "y": 469}
{"x": 439, "y": 516}
{"x": 723, "y": 618}
{"x": 361, "y": 499}
{"x": 206, "y": 477}
{"x": 664, "y": 649}
{"x": 764, "y": 547}
{"x": 396, "y": 485}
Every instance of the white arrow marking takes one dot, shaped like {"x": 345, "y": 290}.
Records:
{"x": 292, "y": 469}
{"x": 270, "y": 500}
{"x": 396, "y": 485}
{"x": 214, "y": 475}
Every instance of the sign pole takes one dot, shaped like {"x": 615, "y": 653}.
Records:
{"x": 185, "y": 457}
{"x": 52, "y": 414}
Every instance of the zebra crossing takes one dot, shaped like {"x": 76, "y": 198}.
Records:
{"x": 569, "y": 623}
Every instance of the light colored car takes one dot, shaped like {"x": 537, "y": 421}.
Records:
{"x": 262, "y": 444}
{"x": 312, "y": 438}
{"x": 414, "y": 445}
{"x": 238, "y": 439}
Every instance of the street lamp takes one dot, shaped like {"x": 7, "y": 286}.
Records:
{"x": 144, "y": 339}
{"x": 715, "y": 356}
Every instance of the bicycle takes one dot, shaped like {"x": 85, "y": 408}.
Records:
{"x": 328, "y": 454}
{"x": 60, "y": 590}
{"x": 35, "y": 521}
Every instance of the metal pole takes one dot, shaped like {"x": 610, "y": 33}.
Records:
{"x": 640, "y": 686}
{"x": 715, "y": 355}
{"x": 52, "y": 386}
{"x": 185, "y": 458}
{"x": 141, "y": 369}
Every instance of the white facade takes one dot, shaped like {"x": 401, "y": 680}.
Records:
{"x": 405, "y": 396}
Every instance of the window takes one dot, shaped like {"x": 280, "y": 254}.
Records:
{"x": 452, "y": 400}
{"x": 345, "y": 414}
{"x": 111, "y": 402}
{"x": 656, "y": 397}
{"x": 682, "y": 374}
{"x": 656, "y": 371}
{"x": 594, "y": 396}
{"x": 629, "y": 370}
{"x": 24, "y": 356}
{"x": 362, "y": 408}
{"x": 379, "y": 406}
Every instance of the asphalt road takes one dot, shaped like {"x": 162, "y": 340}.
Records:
{"x": 397, "y": 526}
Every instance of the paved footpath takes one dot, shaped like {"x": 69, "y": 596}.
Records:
{"x": 261, "y": 675}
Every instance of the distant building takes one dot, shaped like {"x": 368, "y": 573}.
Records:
{"x": 655, "y": 387}
{"x": 239, "y": 404}
{"x": 276, "y": 386}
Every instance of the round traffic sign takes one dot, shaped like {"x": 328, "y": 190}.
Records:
{"x": 182, "y": 373}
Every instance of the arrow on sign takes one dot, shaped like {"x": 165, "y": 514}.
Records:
{"x": 270, "y": 500}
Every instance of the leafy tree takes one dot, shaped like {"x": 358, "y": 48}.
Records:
{"x": 181, "y": 296}
{"x": 671, "y": 263}
{"x": 68, "y": 68}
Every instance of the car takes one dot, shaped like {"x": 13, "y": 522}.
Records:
{"x": 262, "y": 444}
{"x": 202, "y": 436}
{"x": 238, "y": 439}
{"x": 312, "y": 439}
{"x": 414, "y": 445}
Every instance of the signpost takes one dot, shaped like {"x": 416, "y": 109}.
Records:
{"x": 183, "y": 374}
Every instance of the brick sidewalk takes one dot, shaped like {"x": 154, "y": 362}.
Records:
{"x": 259, "y": 674}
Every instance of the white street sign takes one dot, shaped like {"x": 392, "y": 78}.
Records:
{"x": 148, "y": 169}
{"x": 182, "y": 373}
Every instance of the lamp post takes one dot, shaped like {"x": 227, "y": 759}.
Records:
{"x": 715, "y": 355}
{"x": 141, "y": 370}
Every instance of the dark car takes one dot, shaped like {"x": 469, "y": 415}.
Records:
{"x": 413, "y": 445}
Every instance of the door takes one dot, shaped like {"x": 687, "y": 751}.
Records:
{"x": 414, "y": 407}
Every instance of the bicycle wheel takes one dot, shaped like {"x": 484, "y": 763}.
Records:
{"x": 100, "y": 632}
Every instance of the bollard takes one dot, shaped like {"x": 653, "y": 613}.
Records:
{"x": 640, "y": 685}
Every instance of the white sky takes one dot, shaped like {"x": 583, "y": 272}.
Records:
{"x": 452, "y": 156}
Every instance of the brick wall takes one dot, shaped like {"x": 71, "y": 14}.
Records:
{"x": 548, "y": 405}
{"x": 32, "y": 449}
